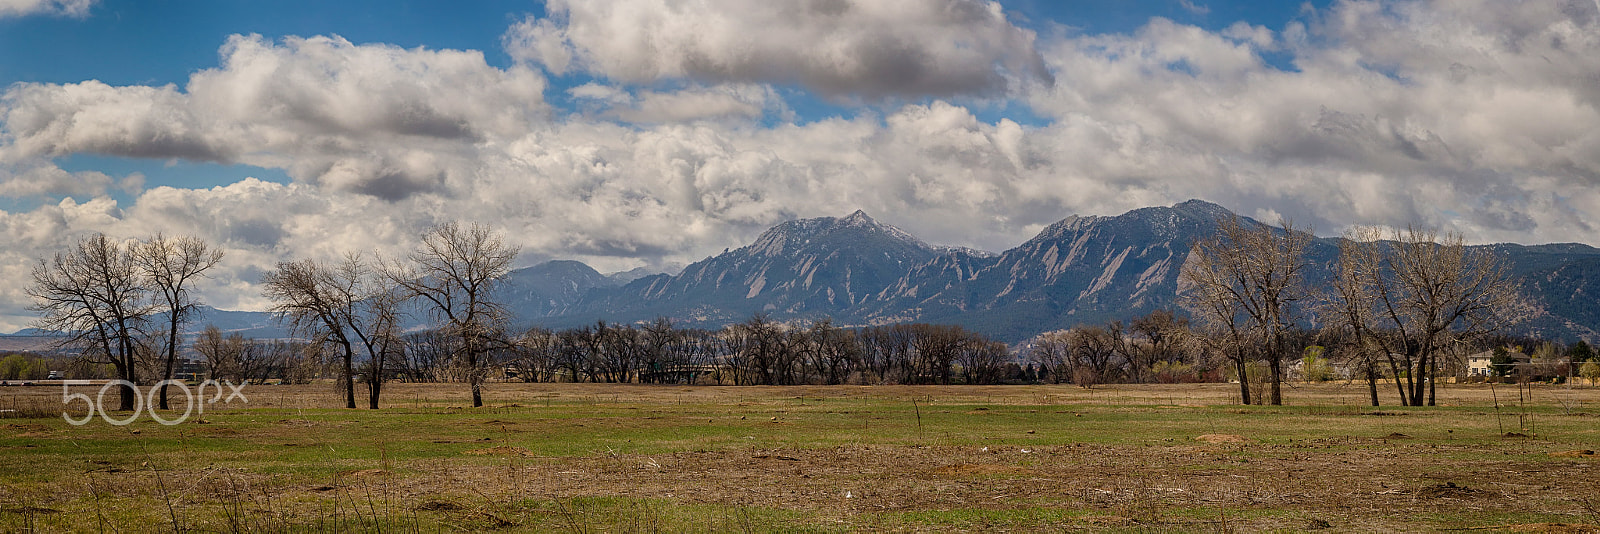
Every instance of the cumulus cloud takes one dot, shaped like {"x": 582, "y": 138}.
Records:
{"x": 368, "y": 118}
{"x": 22, "y": 8}
{"x": 840, "y": 48}
{"x": 734, "y": 101}
{"x": 48, "y": 181}
{"x": 1190, "y": 6}
{"x": 57, "y": 120}
{"x": 1472, "y": 116}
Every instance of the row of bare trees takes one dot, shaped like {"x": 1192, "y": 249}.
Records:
{"x": 123, "y": 302}
{"x": 240, "y": 360}
{"x": 758, "y": 351}
{"x": 1158, "y": 347}
{"x": 354, "y": 308}
{"x": 1395, "y": 302}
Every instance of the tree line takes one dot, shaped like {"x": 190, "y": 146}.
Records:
{"x": 758, "y": 351}
{"x": 1397, "y": 306}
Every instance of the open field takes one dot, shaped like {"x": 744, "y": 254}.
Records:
{"x": 632, "y": 458}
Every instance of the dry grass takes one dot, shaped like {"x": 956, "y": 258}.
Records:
{"x": 585, "y": 457}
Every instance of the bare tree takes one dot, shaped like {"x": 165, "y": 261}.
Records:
{"x": 1243, "y": 282}
{"x": 1158, "y": 337}
{"x": 692, "y": 351}
{"x": 936, "y": 349}
{"x": 1052, "y": 351}
{"x": 93, "y": 293}
{"x": 887, "y": 351}
{"x": 1093, "y": 350}
{"x": 982, "y": 361}
{"x": 427, "y": 356}
{"x": 170, "y": 264}
{"x": 234, "y": 358}
{"x": 573, "y": 353}
{"x": 620, "y": 349}
{"x": 1349, "y": 308}
{"x": 535, "y": 355}
{"x": 1412, "y": 298}
{"x": 455, "y": 271}
{"x": 833, "y": 351}
{"x": 347, "y": 306}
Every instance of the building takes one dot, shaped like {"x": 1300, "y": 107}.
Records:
{"x": 1480, "y": 364}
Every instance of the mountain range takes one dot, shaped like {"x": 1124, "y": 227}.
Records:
{"x": 859, "y": 271}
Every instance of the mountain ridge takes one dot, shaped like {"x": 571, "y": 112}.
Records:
{"x": 860, "y": 272}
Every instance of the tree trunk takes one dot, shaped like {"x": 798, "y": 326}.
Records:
{"x": 1244, "y": 383}
{"x": 1372, "y": 384}
{"x": 349, "y": 379}
{"x": 1433, "y": 377}
{"x": 1400, "y": 383}
{"x": 130, "y": 395}
{"x": 373, "y": 388}
{"x": 1277, "y": 379}
{"x": 164, "y": 377}
{"x": 474, "y": 375}
{"x": 172, "y": 355}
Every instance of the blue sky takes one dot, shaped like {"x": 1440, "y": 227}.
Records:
{"x": 634, "y": 133}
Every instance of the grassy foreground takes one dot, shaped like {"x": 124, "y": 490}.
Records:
{"x": 631, "y": 458}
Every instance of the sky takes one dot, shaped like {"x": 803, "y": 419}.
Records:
{"x": 653, "y": 133}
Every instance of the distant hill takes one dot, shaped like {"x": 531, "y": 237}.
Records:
{"x": 33, "y": 341}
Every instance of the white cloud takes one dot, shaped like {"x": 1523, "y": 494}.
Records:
{"x": 48, "y": 181}
{"x": 840, "y": 48}
{"x": 374, "y": 119}
{"x": 23, "y": 8}
{"x": 730, "y": 101}
{"x": 1474, "y": 116}
{"x": 52, "y": 120}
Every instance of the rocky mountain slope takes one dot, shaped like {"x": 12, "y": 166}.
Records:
{"x": 1079, "y": 270}
{"x": 805, "y": 268}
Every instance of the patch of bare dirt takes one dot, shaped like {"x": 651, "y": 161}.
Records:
{"x": 26, "y": 427}
{"x": 1585, "y": 453}
{"x": 434, "y": 505}
{"x": 1450, "y": 490}
{"x": 29, "y": 430}
{"x": 1543, "y": 527}
{"x": 976, "y": 470}
{"x": 499, "y": 451}
{"x": 1221, "y": 438}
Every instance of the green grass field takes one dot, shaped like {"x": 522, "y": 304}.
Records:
{"x": 632, "y": 458}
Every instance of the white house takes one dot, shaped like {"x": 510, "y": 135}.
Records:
{"x": 1478, "y": 364}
